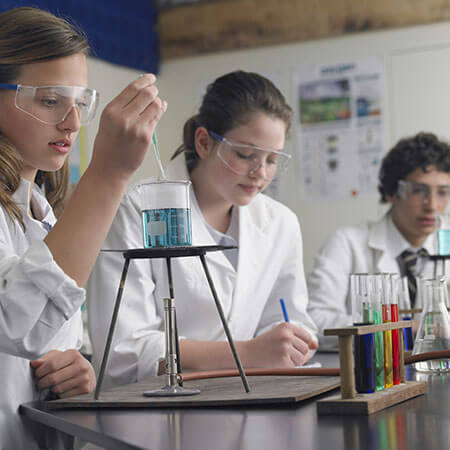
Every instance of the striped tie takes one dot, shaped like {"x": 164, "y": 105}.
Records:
{"x": 409, "y": 263}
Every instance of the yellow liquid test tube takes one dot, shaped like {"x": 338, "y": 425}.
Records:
{"x": 387, "y": 337}
{"x": 388, "y": 373}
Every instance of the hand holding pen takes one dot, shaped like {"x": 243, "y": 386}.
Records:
{"x": 285, "y": 345}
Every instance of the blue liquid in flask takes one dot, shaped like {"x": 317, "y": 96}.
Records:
{"x": 166, "y": 227}
{"x": 444, "y": 242}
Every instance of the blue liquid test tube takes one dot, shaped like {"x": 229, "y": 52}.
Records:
{"x": 408, "y": 336}
{"x": 365, "y": 381}
{"x": 364, "y": 350}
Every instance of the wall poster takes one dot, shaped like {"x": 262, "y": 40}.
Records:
{"x": 339, "y": 128}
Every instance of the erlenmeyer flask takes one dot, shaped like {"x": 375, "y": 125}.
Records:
{"x": 446, "y": 295}
{"x": 434, "y": 328}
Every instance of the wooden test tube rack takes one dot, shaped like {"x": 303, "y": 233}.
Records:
{"x": 351, "y": 402}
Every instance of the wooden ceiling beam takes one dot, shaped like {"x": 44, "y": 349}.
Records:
{"x": 237, "y": 24}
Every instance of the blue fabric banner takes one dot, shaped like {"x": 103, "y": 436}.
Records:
{"x": 119, "y": 31}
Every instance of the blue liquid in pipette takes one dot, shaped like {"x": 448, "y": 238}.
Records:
{"x": 443, "y": 242}
{"x": 166, "y": 227}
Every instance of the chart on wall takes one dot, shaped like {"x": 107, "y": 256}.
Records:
{"x": 340, "y": 132}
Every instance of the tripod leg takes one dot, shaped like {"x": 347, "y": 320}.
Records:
{"x": 111, "y": 329}
{"x": 225, "y": 325}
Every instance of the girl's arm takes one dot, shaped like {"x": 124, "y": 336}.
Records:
{"x": 125, "y": 133}
{"x": 285, "y": 345}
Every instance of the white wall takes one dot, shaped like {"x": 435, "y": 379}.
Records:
{"x": 417, "y": 64}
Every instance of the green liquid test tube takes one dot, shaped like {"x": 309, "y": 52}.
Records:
{"x": 379, "y": 351}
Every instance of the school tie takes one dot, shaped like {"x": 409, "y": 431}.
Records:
{"x": 408, "y": 261}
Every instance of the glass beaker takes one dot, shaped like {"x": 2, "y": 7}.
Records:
{"x": 434, "y": 328}
{"x": 166, "y": 213}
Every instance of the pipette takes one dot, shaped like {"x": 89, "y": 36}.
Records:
{"x": 158, "y": 158}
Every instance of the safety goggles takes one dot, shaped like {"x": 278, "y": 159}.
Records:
{"x": 422, "y": 192}
{"x": 53, "y": 104}
{"x": 244, "y": 159}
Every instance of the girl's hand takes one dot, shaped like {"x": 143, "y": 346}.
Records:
{"x": 283, "y": 346}
{"x": 66, "y": 373}
{"x": 126, "y": 128}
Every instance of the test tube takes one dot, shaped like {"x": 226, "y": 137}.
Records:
{"x": 364, "y": 344}
{"x": 396, "y": 367}
{"x": 387, "y": 335}
{"x": 405, "y": 303}
{"x": 377, "y": 315}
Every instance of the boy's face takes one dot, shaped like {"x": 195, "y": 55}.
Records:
{"x": 415, "y": 206}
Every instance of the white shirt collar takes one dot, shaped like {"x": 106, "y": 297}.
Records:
{"x": 397, "y": 243}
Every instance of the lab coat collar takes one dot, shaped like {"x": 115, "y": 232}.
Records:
{"x": 22, "y": 194}
{"x": 40, "y": 204}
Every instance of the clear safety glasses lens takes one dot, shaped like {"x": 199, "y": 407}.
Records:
{"x": 245, "y": 159}
{"x": 53, "y": 104}
{"x": 412, "y": 189}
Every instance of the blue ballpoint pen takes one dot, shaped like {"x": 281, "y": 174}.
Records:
{"x": 283, "y": 308}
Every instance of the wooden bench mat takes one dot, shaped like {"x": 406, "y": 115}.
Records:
{"x": 264, "y": 390}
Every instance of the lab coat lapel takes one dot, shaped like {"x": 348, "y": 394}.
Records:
{"x": 202, "y": 236}
{"x": 251, "y": 237}
{"x": 383, "y": 260}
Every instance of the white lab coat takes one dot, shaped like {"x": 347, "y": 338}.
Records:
{"x": 372, "y": 247}
{"x": 270, "y": 266}
{"x": 39, "y": 311}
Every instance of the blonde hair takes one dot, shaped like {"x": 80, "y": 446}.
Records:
{"x": 30, "y": 35}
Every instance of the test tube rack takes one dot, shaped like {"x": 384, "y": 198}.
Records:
{"x": 350, "y": 402}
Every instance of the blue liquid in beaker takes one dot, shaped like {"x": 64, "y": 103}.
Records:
{"x": 443, "y": 242}
{"x": 167, "y": 227}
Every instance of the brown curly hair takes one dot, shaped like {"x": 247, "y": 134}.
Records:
{"x": 420, "y": 151}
